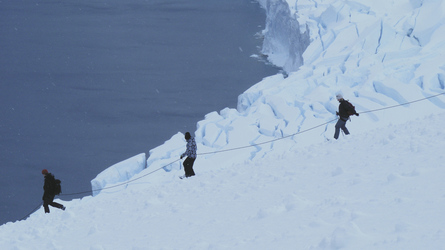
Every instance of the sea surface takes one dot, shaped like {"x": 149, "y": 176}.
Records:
{"x": 85, "y": 84}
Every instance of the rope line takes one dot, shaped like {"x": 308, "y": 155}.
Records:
{"x": 303, "y": 131}
{"x": 257, "y": 144}
{"x": 123, "y": 183}
{"x": 238, "y": 148}
{"x": 261, "y": 143}
{"x": 402, "y": 104}
{"x": 35, "y": 209}
{"x": 117, "y": 185}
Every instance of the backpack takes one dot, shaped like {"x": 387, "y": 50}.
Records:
{"x": 56, "y": 187}
{"x": 351, "y": 107}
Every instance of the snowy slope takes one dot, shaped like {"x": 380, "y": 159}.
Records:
{"x": 377, "y": 190}
{"x": 378, "y": 55}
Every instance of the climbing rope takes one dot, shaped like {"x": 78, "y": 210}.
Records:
{"x": 238, "y": 148}
{"x": 123, "y": 183}
{"x": 402, "y": 104}
{"x": 35, "y": 209}
{"x": 88, "y": 192}
{"x": 303, "y": 131}
{"x": 273, "y": 140}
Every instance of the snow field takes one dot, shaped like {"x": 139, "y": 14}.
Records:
{"x": 375, "y": 190}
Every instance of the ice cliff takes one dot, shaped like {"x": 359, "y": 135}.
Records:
{"x": 378, "y": 54}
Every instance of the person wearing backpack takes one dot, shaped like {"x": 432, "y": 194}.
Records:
{"x": 345, "y": 109}
{"x": 51, "y": 188}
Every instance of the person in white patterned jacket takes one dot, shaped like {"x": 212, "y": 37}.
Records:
{"x": 191, "y": 156}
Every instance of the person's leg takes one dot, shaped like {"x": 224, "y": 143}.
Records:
{"x": 45, "y": 206}
{"x": 191, "y": 171}
{"x": 337, "y": 129}
{"x": 188, "y": 167}
{"x": 57, "y": 205}
{"x": 340, "y": 125}
{"x": 47, "y": 200}
{"x": 345, "y": 130}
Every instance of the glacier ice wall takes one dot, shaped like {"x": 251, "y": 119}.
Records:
{"x": 283, "y": 43}
{"x": 377, "y": 54}
{"x": 119, "y": 172}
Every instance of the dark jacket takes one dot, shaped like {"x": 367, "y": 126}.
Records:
{"x": 345, "y": 110}
{"x": 48, "y": 186}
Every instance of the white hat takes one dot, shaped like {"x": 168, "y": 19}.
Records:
{"x": 339, "y": 96}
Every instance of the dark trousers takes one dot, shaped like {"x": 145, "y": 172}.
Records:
{"x": 188, "y": 167}
{"x": 49, "y": 200}
{"x": 341, "y": 124}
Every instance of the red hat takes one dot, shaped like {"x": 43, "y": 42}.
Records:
{"x": 44, "y": 171}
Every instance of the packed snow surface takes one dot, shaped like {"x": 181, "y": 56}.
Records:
{"x": 377, "y": 190}
{"x": 269, "y": 174}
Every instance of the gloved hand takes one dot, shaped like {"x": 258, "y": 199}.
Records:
{"x": 181, "y": 157}
{"x": 357, "y": 114}
{"x": 336, "y": 112}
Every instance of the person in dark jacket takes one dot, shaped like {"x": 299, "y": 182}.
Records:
{"x": 344, "y": 111}
{"x": 191, "y": 156}
{"x": 49, "y": 192}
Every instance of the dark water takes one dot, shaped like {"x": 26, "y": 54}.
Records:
{"x": 85, "y": 84}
